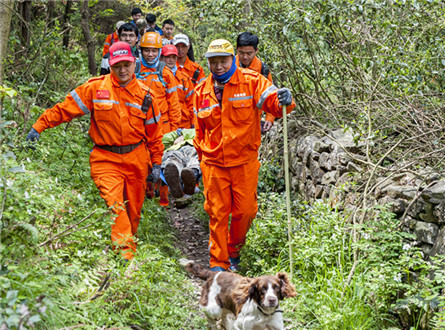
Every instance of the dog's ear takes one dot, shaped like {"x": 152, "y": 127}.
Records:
{"x": 287, "y": 288}
{"x": 242, "y": 292}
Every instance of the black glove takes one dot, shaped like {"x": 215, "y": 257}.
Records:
{"x": 33, "y": 135}
{"x": 284, "y": 96}
{"x": 156, "y": 172}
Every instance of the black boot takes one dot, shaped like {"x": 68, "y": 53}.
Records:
{"x": 171, "y": 175}
{"x": 189, "y": 179}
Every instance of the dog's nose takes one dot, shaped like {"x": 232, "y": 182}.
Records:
{"x": 272, "y": 301}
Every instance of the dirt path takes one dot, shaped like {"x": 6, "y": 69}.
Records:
{"x": 192, "y": 236}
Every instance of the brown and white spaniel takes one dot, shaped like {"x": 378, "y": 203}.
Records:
{"x": 253, "y": 301}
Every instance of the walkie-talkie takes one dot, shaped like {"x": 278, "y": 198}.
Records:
{"x": 148, "y": 102}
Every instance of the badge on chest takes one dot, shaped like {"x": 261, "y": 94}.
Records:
{"x": 205, "y": 103}
{"x": 103, "y": 94}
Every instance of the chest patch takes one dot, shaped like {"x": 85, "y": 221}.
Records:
{"x": 205, "y": 103}
{"x": 103, "y": 94}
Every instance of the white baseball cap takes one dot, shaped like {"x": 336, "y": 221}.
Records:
{"x": 180, "y": 38}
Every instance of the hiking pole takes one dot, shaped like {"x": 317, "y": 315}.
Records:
{"x": 286, "y": 178}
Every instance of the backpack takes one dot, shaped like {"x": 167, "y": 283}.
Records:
{"x": 265, "y": 70}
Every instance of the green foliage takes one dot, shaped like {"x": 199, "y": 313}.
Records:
{"x": 269, "y": 179}
{"x": 390, "y": 276}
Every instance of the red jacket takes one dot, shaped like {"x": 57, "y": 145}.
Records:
{"x": 231, "y": 135}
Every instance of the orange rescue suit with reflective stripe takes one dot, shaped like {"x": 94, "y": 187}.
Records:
{"x": 116, "y": 115}
{"x": 185, "y": 94}
{"x": 256, "y": 65}
{"x": 166, "y": 97}
{"x": 189, "y": 69}
{"x": 231, "y": 135}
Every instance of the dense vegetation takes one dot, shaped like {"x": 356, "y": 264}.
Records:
{"x": 376, "y": 66}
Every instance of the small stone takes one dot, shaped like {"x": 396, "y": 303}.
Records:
{"x": 325, "y": 161}
{"x": 320, "y": 146}
{"x": 329, "y": 178}
{"x": 351, "y": 167}
{"x": 183, "y": 202}
{"x": 436, "y": 191}
{"x": 439, "y": 212}
{"x": 426, "y": 232}
{"x": 396, "y": 191}
{"x": 318, "y": 191}
{"x": 428, "y": 215}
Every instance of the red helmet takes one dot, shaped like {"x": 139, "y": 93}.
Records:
{"x": 169, "y": 50}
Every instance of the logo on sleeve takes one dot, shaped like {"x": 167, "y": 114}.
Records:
{"x": 103, "y": 94}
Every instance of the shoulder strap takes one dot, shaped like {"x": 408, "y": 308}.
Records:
{"x": 264, "y": 70}
{"x": 159, "y": 71}
{"x": 138, "y": 67}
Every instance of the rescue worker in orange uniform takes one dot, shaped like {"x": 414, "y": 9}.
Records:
{"x": 191, "y": 69}
{"x": 160, "y": 80}
{"x": 247, "y": 49}
{"x": 112, "y": 38}
{"x": 229, "y": 103}
{"x": 185, "y": 89}
{"x": 127, "y": 137}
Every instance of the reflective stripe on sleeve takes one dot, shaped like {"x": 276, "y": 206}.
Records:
{"x": 152, "y": 120}
{"x": 189, "y": 93}
{"x": 240, "y": 98}
{"x": 107, "y": 43}
{"x": 106, "y": 101}
{"x": 194, "y": 111}
{"x": 201, "y": 80}
{"x": 209, "y": 108}
{"x": 171, "y": 90}
{"x": 79, "y": 102}
{"x": 137, "y": 106}
{"x": 265, "y": 95}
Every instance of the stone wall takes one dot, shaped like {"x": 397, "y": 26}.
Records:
{"x": 324, "y": 167}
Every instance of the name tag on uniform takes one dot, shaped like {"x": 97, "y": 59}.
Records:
{"x": 103, "y": 94}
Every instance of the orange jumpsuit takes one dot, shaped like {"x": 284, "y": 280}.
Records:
{"x": 166, "y": 97}
{"x": 256, "y": 66}
{"x": 116, "y": 120}
{"x": 227, "y": 141}
{"x": 111, "y": 38}
{"x": 189, "y": 68}
{"x": 185, "y": 93}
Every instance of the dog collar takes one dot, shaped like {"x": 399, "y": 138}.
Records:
{"x": 275, "y": 311}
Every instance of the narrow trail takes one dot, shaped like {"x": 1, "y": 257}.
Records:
{"x": 192, "y": 237}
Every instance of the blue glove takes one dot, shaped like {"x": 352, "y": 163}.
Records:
{"x": 284, "y": 96}
{"x": 156, "y": 172}
{"x": 179, "y": 131}
{"x": 33, "y": 135}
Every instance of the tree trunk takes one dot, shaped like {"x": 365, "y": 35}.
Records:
{"x": 24, "y": 8}
{"x": 66, "y": 21}
{"x": 85, "y": 23}
{"x": 5, "y": 23}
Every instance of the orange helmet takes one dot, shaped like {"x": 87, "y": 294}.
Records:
{"x": 151, "y": 39}
{"x": 169, "y": 50}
